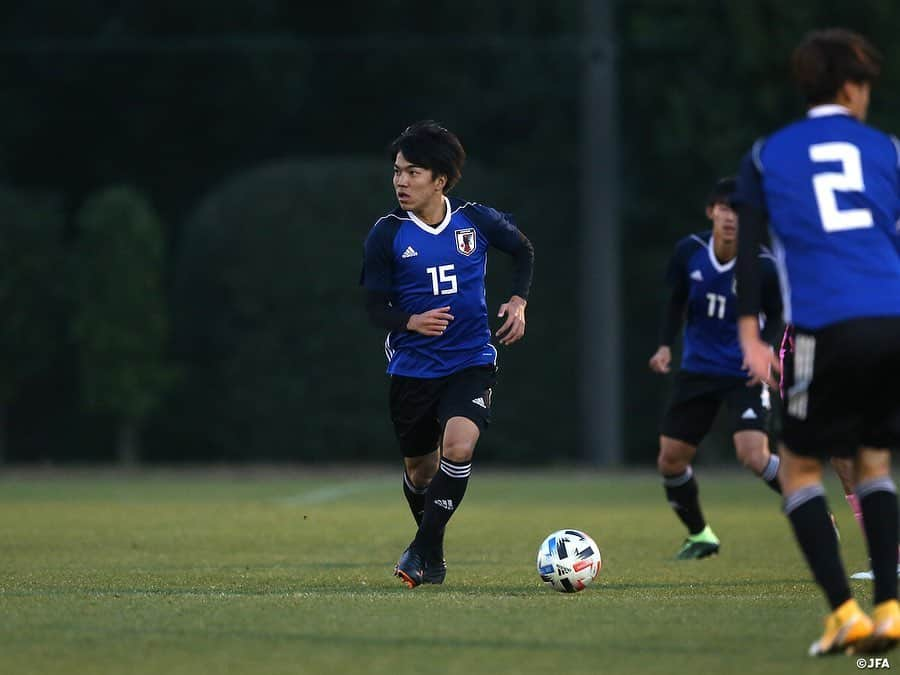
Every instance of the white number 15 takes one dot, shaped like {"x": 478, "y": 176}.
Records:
{"x": 442, "y": 275}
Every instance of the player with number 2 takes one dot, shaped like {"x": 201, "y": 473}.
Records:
{"x": 829, "y": 187}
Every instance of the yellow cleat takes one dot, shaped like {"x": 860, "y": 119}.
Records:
{"x": 886, "y": 635}
{"x": 845, "y": 627}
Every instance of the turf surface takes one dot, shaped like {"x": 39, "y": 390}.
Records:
{"x": 291, "y": 573}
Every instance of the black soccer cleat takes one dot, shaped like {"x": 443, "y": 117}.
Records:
{"x": 411, "y": 567}
{"x": 435, "y": 569}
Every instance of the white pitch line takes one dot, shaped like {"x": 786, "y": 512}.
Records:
{"x": 331, "y": 493}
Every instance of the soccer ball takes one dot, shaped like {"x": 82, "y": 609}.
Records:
{"x": 568, "y": 561}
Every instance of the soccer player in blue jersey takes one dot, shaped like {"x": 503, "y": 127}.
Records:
{"x": 829, "y": 187}
{"x": 701, "y": 278}
{"x": 423, "y": 272}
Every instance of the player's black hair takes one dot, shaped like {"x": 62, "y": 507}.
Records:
{"x": 826, "y": 59}
{"x": 722, "y": 192}
{"x": 431, "y": 146}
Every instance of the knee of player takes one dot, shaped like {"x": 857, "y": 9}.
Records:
{"x": 421, "y": 472}
{"x": 421, "y": 477}
{"x": 752, "y": 453}
{"x": 872, "y": 463}
{"x": 671, "y": 465}
{"x": 748, "y": 457}
{"x": 459, "y": 450}
{"x": 674, "y": 456}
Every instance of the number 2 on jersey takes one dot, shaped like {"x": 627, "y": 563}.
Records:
{"x": 848, "y": 179}
{"x": 442, "y": 275}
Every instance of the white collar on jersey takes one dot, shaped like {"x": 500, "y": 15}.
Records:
{"x": 826, "y": 110}
{"x": 428, "y": 228}
{"x": 717, "y": 266}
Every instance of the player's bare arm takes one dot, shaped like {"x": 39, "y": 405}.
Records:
{"x": 513, "y": 329}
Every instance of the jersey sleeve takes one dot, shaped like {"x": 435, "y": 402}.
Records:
{"x": 896, "y": 143}
{"x": 503, "y": 234}
{"x": 771, "y": 302}
{"x": 378, "y": 260}
{"x": 750, "y": 204}
{"x": 499, "y": 228}
{"x": 749, "y": 191}
{"x": 676, "y": 270}
{"x": 677, "y": 282}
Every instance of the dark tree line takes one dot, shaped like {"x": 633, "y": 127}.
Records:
{"x": 186, "y": 187}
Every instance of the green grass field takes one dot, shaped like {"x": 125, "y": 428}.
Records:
{"x": 291, "y": 573}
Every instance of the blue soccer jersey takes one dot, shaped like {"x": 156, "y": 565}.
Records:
{"x": 711, "y": 343}
{"x": 424, "y": 267}
{"x": 830, "y": 187}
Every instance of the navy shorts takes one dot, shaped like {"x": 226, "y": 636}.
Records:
{"x": 842, "y": 388}
{"x": 420, "y": 407}
{"x": 696, "y": 401}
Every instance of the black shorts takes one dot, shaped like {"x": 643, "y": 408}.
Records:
{"x": 842, "y": 388}
{"x": 696, "y": 401}
{"x": 420, "y": 407}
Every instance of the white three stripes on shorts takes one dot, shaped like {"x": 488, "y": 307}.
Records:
{"x": 804, "y": 361}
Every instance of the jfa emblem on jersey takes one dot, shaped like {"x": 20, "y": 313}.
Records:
{"x": 465, "y": 240}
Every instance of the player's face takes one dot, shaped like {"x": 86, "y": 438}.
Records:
{"x": 415, "y": 186}
{"x": 725, "y": 222}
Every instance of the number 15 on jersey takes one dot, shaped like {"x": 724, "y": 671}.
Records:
{"x": 439, "y": 277}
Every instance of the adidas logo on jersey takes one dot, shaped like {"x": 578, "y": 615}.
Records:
{"x": 444, "y": 503}
{"x": 697, "y": 275}
{"x": 749, "y": 414}
{"x": 479, "y": 401}
{"x": 410, "y": 252}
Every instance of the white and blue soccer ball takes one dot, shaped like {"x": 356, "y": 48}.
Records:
{"x": 568, "y": 561}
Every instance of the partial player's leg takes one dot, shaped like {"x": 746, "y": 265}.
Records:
{"x": 442, "y": 498}
{"x": 464, "y": 409}
{"x": 413, "y": 403}
{"x": 674, "y": 464}
{"x": 752, "y": 450}
{"x": 823, "y": 418}
{"x": 877, "y": 496}
{"x": 807, "y": 510}
{"x": 845, "y": 469}
{"x": 445, "y": 494}
{"x": 876, "y": 342}
{"x": 749, "y": 409}
{"x": 695, "y": 401}
{"x": 416, "y": 478}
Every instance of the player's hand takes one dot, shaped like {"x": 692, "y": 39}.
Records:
{"x": 514, "y": 327}
{"x": 761, "y": 363}
{"x": 431, "y": 323}
{"x": 660, "y": 361}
